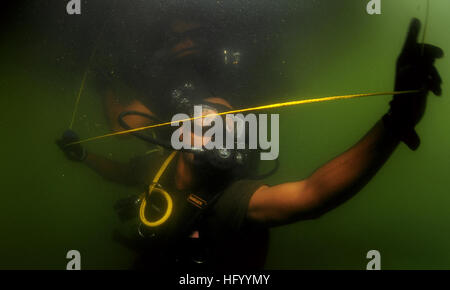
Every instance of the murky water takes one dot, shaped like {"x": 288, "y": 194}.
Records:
{"x": 294, "y": 50}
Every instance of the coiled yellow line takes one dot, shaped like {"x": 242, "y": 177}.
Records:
{"x": 152, "y": 188}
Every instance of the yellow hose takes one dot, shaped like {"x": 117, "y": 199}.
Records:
{"x": 164, "y": 193}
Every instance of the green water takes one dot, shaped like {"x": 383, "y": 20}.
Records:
{"x": 50, "y": 205}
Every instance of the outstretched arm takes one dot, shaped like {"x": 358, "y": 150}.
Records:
{"x": 342, "y": 177}
{"x": 329, "y": 186}
{"x": 109, "y": 169}
{"x": 118, "y": 172}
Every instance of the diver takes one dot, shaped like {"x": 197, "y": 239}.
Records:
{"x": 231, "y": 231}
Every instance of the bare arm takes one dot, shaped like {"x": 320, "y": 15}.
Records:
{"x": 342, "y": 177}
{"x": 328, "y": 187}
{"x": 111, "y": 170}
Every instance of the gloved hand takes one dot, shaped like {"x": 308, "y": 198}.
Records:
{"x": 74, "y": 152}
{"x": 415, "y": 71}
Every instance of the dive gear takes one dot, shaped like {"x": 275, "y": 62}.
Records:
{"x": 166, "y": 217}
{"x": 127, "y": 208}
{"x": 154, "y": 188}
{"x": 223, "y": 159}
{"x": 229, "y": 163}
{"x": 170, "y": 233}
{"x": 183, "y": 98}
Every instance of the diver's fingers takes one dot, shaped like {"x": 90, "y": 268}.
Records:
{"x": 435, "y": 81}
{"x": 431, "y": 51}
{"x": 435, "y": 88}
{"x": 435, "y": 75}
{"x": 413, "y": 33}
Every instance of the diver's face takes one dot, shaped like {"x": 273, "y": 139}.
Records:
{"x": 185, "y": 45}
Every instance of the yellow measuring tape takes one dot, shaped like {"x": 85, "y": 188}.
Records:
{"x": 258, "y": 108}
{"x": 152, "y": 188}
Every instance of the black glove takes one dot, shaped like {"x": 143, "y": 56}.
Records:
{"x": 74, "y": 152}
{"x": 415, "y": 71}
